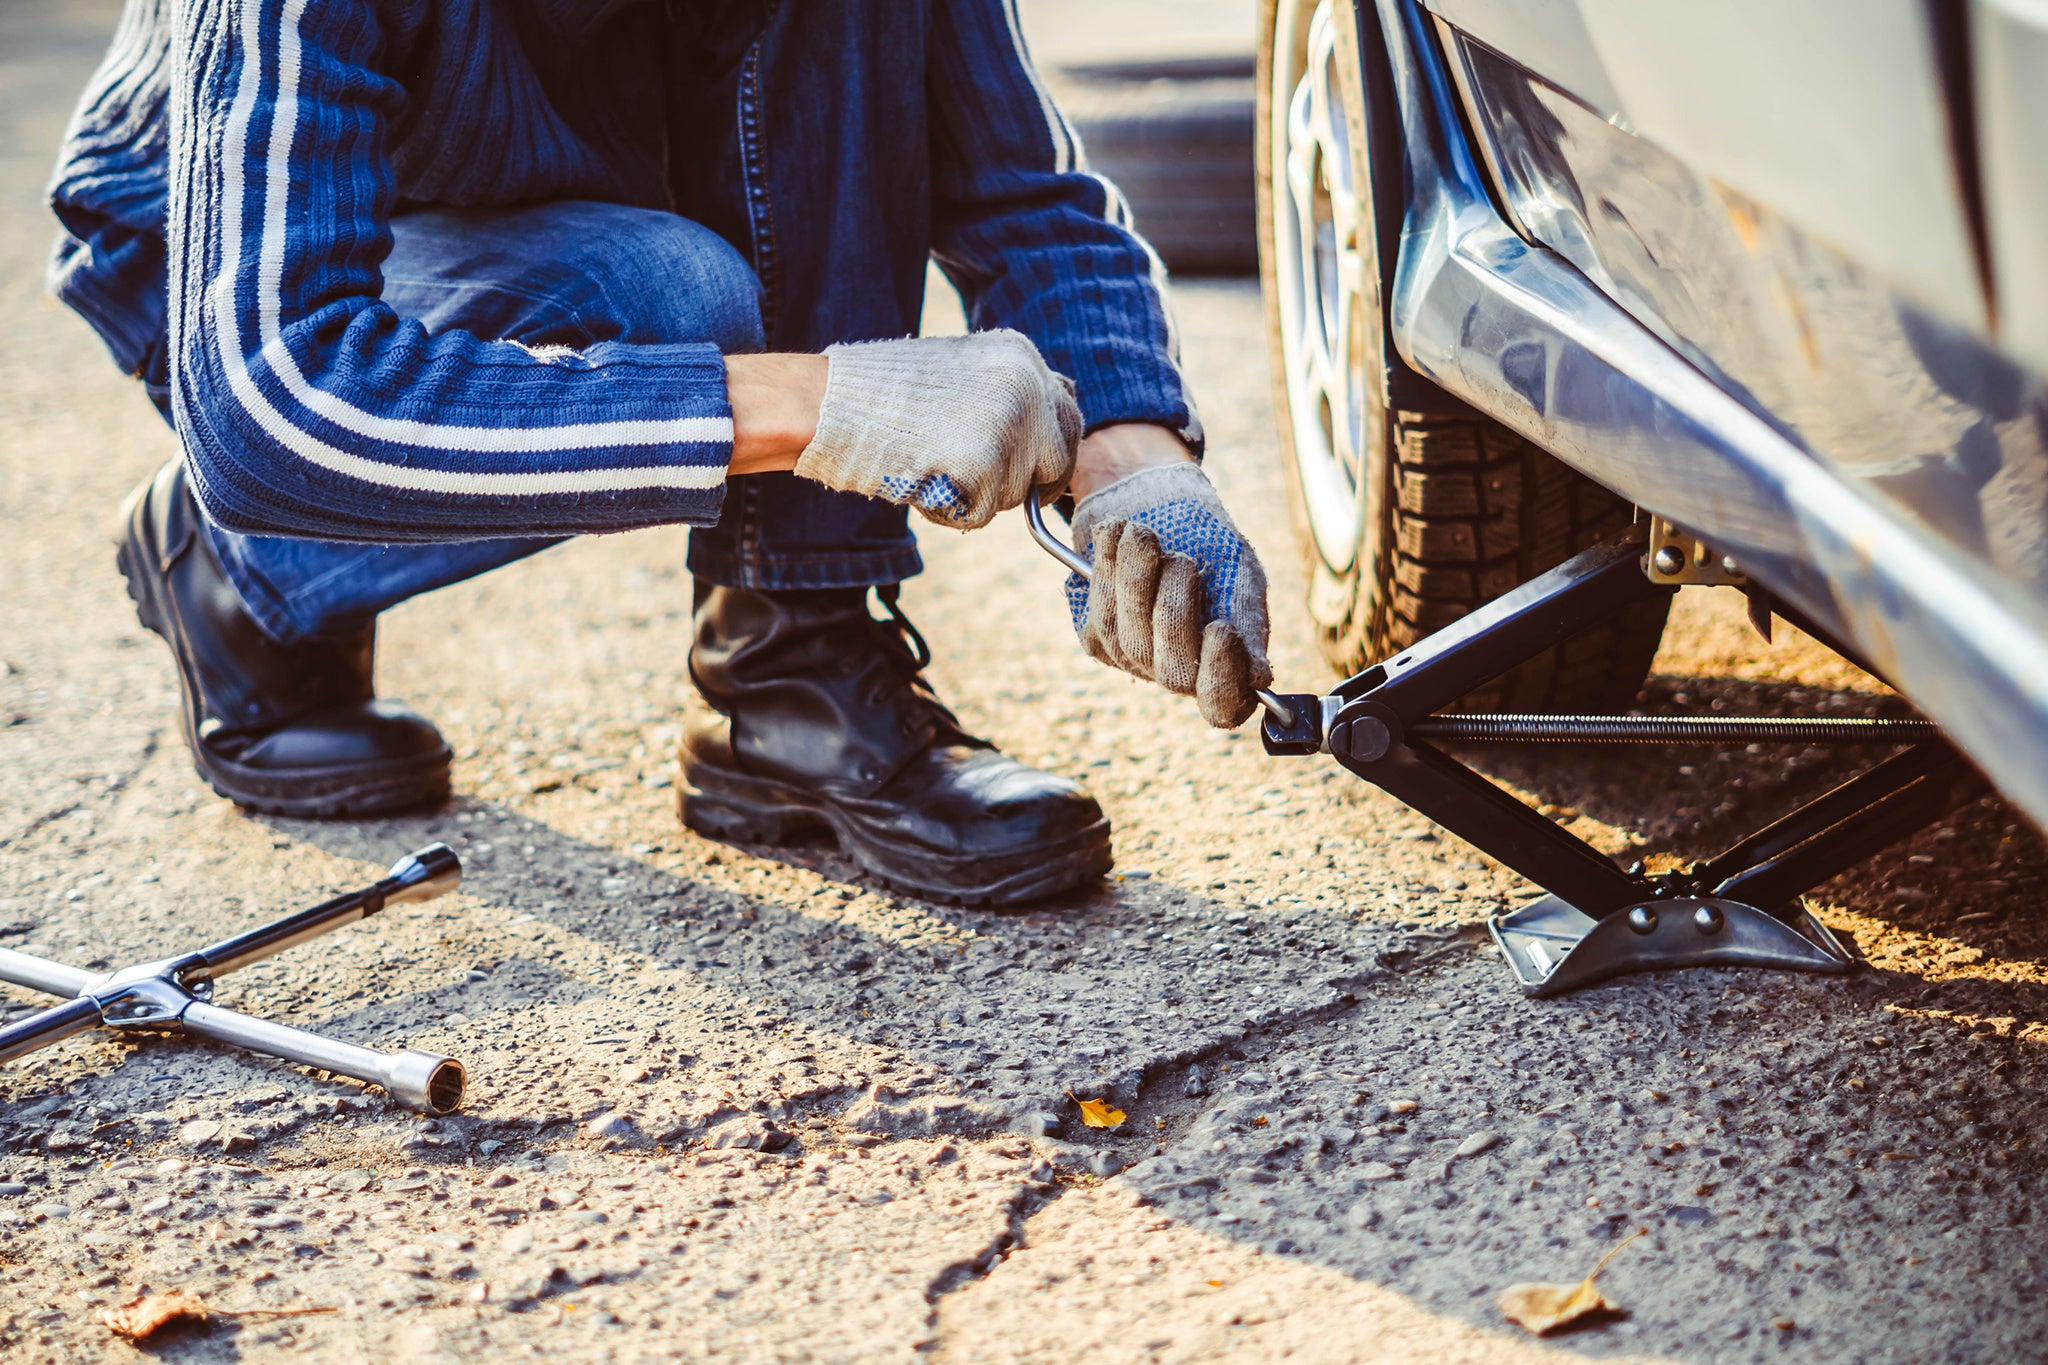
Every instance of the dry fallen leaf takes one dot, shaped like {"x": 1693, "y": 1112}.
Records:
{"x": 153, "y": 1312}
{"x": 1097, "y": 1113}
{"x": 145, "y": 1315}
{"x": 1546, "y": 1308}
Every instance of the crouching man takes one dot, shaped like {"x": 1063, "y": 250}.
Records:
{"x": 425, "y": 286}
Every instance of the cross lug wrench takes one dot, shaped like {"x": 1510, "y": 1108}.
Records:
{"x": 175, "y": 995}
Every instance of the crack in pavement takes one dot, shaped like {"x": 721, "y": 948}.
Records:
{"x": 1258, "y": 1043}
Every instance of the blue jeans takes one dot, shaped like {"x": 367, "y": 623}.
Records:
{"x": 573, "y": 274}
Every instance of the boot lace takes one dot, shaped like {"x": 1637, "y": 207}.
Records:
{"x": 906, "y": 636}
{"x": 907, "y": 655}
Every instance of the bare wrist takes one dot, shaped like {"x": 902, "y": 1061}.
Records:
{"x": 1122, "y": 449}
{"x": 775, "y": 401}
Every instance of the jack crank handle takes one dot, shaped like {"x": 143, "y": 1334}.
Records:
{"x": 1066, "y": 554}
{"x": 1052, "y": 544}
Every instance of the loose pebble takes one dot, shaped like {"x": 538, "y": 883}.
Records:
{"x": 1481, "y": 1141}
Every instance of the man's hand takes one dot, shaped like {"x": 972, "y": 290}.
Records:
{"x": 1178, "y": 596}
{"x": 961, "y": 428}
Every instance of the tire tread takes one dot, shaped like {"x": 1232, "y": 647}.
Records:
{"x": 1478, "y": 510}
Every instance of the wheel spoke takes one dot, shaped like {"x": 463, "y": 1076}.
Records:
{"x": 1304, "y": 181}
{"x": 1315, "y": 368}
{"x": 1343, "y": 373}
{"x": 1358, "y": 377}
{"x": 1301, "y": 129}
{"x": 1326, "y": 102}
{"x": 1302, "y": 152}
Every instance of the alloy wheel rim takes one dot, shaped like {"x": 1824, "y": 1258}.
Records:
{"x": 1325, "y": 276}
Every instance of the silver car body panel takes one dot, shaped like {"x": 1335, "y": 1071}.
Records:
{"x": 1918, "y": 410}
{"x": 1548, "y": 36}
{"x": 2010, "y": 59}
{"x": 1832, "y": 112}
{"x": 1519, "y": 331}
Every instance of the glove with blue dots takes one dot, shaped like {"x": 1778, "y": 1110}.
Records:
{"x": 961, "y": 428}
{"x": 1177, "y": 595}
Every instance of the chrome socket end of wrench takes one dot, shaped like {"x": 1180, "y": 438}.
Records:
{"x": 423, "y": 875}
{"x": 425, "y": 1082}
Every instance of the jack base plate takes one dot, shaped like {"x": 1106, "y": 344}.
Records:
{"x": 1554, "y": 947}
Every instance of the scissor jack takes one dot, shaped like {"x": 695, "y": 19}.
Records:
{"x": 176, "y": 994}
{"x": 1598, "y": 920}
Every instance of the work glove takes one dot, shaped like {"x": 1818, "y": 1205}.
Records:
{"x": 1177, "y": 596}
{"x": 960, "y": 428}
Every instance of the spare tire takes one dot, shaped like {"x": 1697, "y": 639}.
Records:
{"x": 1177, "y": 138}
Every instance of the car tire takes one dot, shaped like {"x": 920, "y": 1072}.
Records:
{"x": 1175, "y": 137}
{"x": 1412, "y": 508}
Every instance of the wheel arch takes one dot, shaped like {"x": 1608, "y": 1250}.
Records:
{"x": 1390, "y": 138}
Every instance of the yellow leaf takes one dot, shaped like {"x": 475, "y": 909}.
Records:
{"x": 1259, "y": 1122}
{"x": 142, "y": 1318}
{"x": 1546, "y": 1308}
{"x": 1097, "y": 1113}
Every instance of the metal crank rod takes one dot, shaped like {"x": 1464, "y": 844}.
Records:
{"x": 1279, "y": 710}
{"x": 176, "y": 994}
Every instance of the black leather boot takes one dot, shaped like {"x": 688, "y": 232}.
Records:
{"x": 285, "y": 729}
{"x": 829, "y": 724}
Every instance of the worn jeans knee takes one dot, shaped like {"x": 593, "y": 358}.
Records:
{"x": 573, "y": 274}
{"x": 560, "y": 274}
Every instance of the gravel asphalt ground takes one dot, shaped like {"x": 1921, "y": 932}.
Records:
{"x": 742, "y": 1103}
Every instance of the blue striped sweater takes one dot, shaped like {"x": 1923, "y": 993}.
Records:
{"x": 226, "y": 188}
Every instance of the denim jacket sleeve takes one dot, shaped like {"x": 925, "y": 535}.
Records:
{"x": 306, "y": 405}
{"x": 1036, "y": 241}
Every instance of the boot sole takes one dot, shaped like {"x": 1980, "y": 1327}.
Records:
{"x": 738, "y": 808}
{"x": 302, "y": 793}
